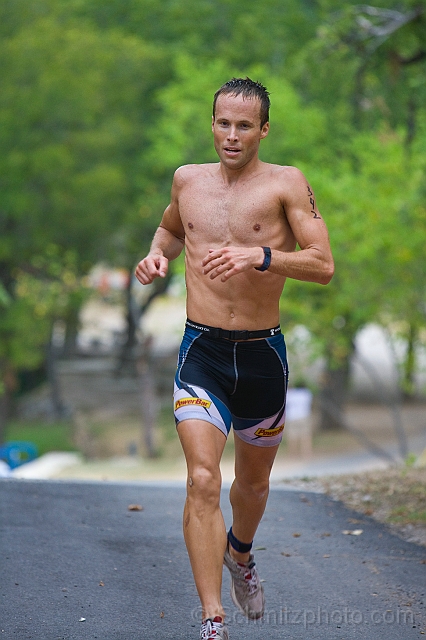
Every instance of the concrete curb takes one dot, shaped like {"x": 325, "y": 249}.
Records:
{"x": 46, "y": 466}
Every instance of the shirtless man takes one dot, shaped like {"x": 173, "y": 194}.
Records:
{"x": 239, "y": 221}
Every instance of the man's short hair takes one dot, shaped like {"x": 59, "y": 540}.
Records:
{"x": 248, "y": 89}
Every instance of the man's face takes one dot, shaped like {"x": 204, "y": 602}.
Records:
{"x": 236, "y": 130}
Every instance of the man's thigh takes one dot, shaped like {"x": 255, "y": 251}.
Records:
{"x": 202, "y": 444}
{"x": 253, "y": 464}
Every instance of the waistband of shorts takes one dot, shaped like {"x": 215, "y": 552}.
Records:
{"x": 234, "y": 334}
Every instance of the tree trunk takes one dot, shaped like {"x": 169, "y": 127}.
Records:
{"x": 4, "y": 414}
{"x": 8, "y": 386}
{"x": 58, "y": 407}
{"x": 149, "y": 400}
{"x": 69, "y": 348}
{"x": 408, "y": 383}
{"x": 333, "y": 395}
{"x": 126, "y": 360}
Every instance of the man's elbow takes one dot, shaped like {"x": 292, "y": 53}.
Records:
{"x": 327, "y": 272}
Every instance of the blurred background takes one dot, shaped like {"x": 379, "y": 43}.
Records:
{"x": 100, "y": 102}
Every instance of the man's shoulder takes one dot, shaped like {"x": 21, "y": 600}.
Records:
{"x": 286, "y": 172}
{"x": 189, "y": 172}
{"x": 286, "y": 180}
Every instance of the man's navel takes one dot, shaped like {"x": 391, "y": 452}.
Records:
{"x": 256, "y": 227}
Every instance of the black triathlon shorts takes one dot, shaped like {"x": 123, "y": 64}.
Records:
{"x": 231, "y": 382}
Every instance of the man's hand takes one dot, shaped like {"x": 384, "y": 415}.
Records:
{"x": 230, "y": 261}
{"x": 151, "y": 267}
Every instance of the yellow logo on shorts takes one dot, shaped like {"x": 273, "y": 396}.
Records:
{"x": 186, "y": 402}
{"x": 268, "y": 433}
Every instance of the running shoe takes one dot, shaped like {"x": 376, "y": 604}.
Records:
{"x": 214, "y": 629}
{"x": 246, "y": 589}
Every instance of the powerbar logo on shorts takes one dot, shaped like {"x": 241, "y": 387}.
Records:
{"x": 268, "y": 433}
{"x": 188, "y": 402}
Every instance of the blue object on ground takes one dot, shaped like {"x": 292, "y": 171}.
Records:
{"x": 17, "y": 453}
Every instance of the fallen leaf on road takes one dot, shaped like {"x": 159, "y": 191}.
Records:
{"x": 82, "y": 620}
{"x": 101, "y": 584}
{"x": 135, "y": 507}
{"x": 296, "y": 535}
{"x": 352, "y": 532}
{"x": 287, "y": 555}
{"x": 326, "y": 555}
{"x": 162, "y": 614}
{"x": 260, "y": 549}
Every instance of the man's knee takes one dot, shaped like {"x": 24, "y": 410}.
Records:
{"x": 255, "y": 487}
{"x": 203, "y": 487}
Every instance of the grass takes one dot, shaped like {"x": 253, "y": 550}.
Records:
{"x": 394, "y": 496}
{"x": 47, "y": 436}
{"x": 402, "y": 515}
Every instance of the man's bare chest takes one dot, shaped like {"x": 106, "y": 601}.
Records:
{"x": 226, "y": 215}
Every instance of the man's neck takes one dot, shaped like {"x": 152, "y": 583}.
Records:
{"x": 233, "y": 176}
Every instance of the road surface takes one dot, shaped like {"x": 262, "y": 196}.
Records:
{"x": 77, "y": 564}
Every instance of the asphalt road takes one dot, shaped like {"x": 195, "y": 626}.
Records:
{"x": 76, "y": 564}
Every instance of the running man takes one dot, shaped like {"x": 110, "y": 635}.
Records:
{"x": 239, "y": 220}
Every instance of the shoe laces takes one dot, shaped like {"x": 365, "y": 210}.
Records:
{"x": 249, "y": 577}
{"x": 210, "y": 628}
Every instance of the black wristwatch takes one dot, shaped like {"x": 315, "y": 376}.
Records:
{"x": 266, "y": 260}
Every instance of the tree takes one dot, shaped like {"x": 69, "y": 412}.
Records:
{"x": 367, "y": 68}
{"x": 69, "y": 163}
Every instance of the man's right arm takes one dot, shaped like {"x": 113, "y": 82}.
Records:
{"x": 168, "y": 241}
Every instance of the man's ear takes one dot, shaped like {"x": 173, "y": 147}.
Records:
{"x": 264, "y": 130}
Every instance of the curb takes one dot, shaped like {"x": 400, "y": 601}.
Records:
{"x": 46, "y": 466}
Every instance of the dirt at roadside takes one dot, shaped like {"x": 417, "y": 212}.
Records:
{"x": 395, "y": 497}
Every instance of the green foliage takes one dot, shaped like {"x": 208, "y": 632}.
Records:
{"x": 256, "y": 33}
{"x": 74, "y": 115}
{"x": 66, "y": 168}
{"x": 365, "y": 72}
{"x": 42, "y": 293}
{"x": 5, "y": 298}
{"x": 380, "y": 270}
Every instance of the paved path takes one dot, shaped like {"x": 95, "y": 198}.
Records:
{"x": 76, "y": 564}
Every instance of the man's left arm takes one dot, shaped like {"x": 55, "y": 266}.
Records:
{"x": 314, "y": 262}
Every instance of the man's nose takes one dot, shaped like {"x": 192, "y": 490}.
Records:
{"x": 232, "y": 133}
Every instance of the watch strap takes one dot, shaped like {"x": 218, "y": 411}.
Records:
{"x": 266, "y": 260}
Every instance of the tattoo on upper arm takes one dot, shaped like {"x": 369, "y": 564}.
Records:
{"x": 312, "y": 202}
